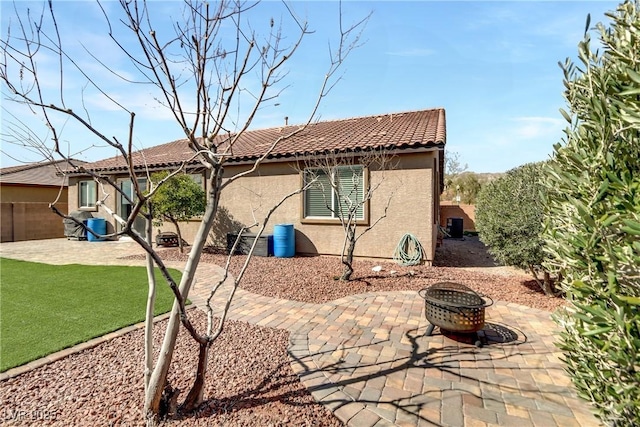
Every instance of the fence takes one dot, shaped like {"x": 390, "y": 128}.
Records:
{"x": 30, "y": 221}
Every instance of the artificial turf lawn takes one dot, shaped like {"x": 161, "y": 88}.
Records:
{"x": 46, "y": 308}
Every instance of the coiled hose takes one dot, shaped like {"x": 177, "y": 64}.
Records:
{"x": 409, "y": 251}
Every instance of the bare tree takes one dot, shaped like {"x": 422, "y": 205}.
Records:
{"x": 452, "y": 164}
{"x": 342, "y": 186}
{"x": 200, "y": 72}
{"x": 452, "y": 169}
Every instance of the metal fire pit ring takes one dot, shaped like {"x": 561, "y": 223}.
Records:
{"x": 455, "y": 308}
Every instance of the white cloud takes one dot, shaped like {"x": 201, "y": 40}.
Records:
{"x": 537, "y": 127}
{"x": 503, "y": 144}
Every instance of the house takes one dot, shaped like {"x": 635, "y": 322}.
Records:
{"x": 25, "y": 194}
{"x": 410, "y": 188}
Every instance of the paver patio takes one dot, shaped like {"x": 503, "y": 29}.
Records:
{"x": 366, "y": 357}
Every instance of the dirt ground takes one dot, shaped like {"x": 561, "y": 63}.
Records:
{"x": 471, "y": 254}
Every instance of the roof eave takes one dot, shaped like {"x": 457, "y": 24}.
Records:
{"x": 123, "y": 169}
{"x": 392, "y": 150}
{"x": 275, "y": 158}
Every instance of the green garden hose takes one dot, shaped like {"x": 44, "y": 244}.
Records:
{"x": 409, "y": 251}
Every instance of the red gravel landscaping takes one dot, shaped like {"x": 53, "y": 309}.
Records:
{"x": 250, "y": 382}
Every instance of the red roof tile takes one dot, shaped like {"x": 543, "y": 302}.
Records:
{"x": 417, "y": 129}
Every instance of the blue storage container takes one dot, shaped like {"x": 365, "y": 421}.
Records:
{"x": 284, "y": 241}
{"x": 99, "y": 226}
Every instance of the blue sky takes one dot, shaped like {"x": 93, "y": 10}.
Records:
{"x": 492, "y": 65}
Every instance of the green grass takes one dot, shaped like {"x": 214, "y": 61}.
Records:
{"x": 46, "y": 308}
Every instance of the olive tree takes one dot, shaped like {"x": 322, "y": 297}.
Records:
{"x": 592, "y": 212}
{"x": 509, "y": 220}
{"x": 213, "y": 71}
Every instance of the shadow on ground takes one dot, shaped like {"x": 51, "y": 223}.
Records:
{"x": 466, "y": 252}
{"x": 453, "y": 371}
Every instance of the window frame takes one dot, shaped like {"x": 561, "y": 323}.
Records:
{"x": 87, "y": 207}
{"x": 334, "y": 219}
{"x": 139, "y": 222}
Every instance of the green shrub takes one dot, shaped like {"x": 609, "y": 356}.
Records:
{"x": 592, "y": 228}
{"x": 509, "y": 219}
{"x": 178, "y": 199}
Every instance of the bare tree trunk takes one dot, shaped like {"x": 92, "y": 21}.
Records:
{"x": 347, "y": 256}
{"x": 175, "y": 224}
{"x": 549, "y": 287}
{"x": 159, "y": 376}
{"x": 151, "y": 301}
{"x": 353, "y": 193}
{"x": 196, "y": 394}
{"x": 545, "y": 284}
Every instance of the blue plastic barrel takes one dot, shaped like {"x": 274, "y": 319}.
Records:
{"x": 99, "y": 226}
{"x": 284, "y": 241}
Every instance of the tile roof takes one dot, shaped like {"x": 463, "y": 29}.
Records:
{"x": 41, "y": 173}
{"x": 407, "y": 130}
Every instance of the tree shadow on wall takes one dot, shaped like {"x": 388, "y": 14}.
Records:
{"x": 223, "y": 223}
{"x": 304, "y": 245}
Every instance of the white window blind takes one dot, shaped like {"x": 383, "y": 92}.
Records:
{"x": 322, "y": 201}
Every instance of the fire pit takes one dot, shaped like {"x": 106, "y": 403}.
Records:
{"x": 455, "y": 308}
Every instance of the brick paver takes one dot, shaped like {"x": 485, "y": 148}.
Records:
{"x": 365, "y": 357}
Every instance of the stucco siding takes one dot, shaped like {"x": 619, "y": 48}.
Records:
{"x": 110, "y": 201}
{"x": 407, "y": 189}
{"x": 73, "y": 194}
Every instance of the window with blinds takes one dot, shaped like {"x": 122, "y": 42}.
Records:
{"x": 322, "y": 200}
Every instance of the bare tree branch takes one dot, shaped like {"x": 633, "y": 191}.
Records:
{"x": 200, "y": 73}
{"x": 349, "y": 198}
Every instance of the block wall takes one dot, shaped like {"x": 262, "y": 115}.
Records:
{"x": 30, "y": 221}
{"x": 466, "y": 212}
